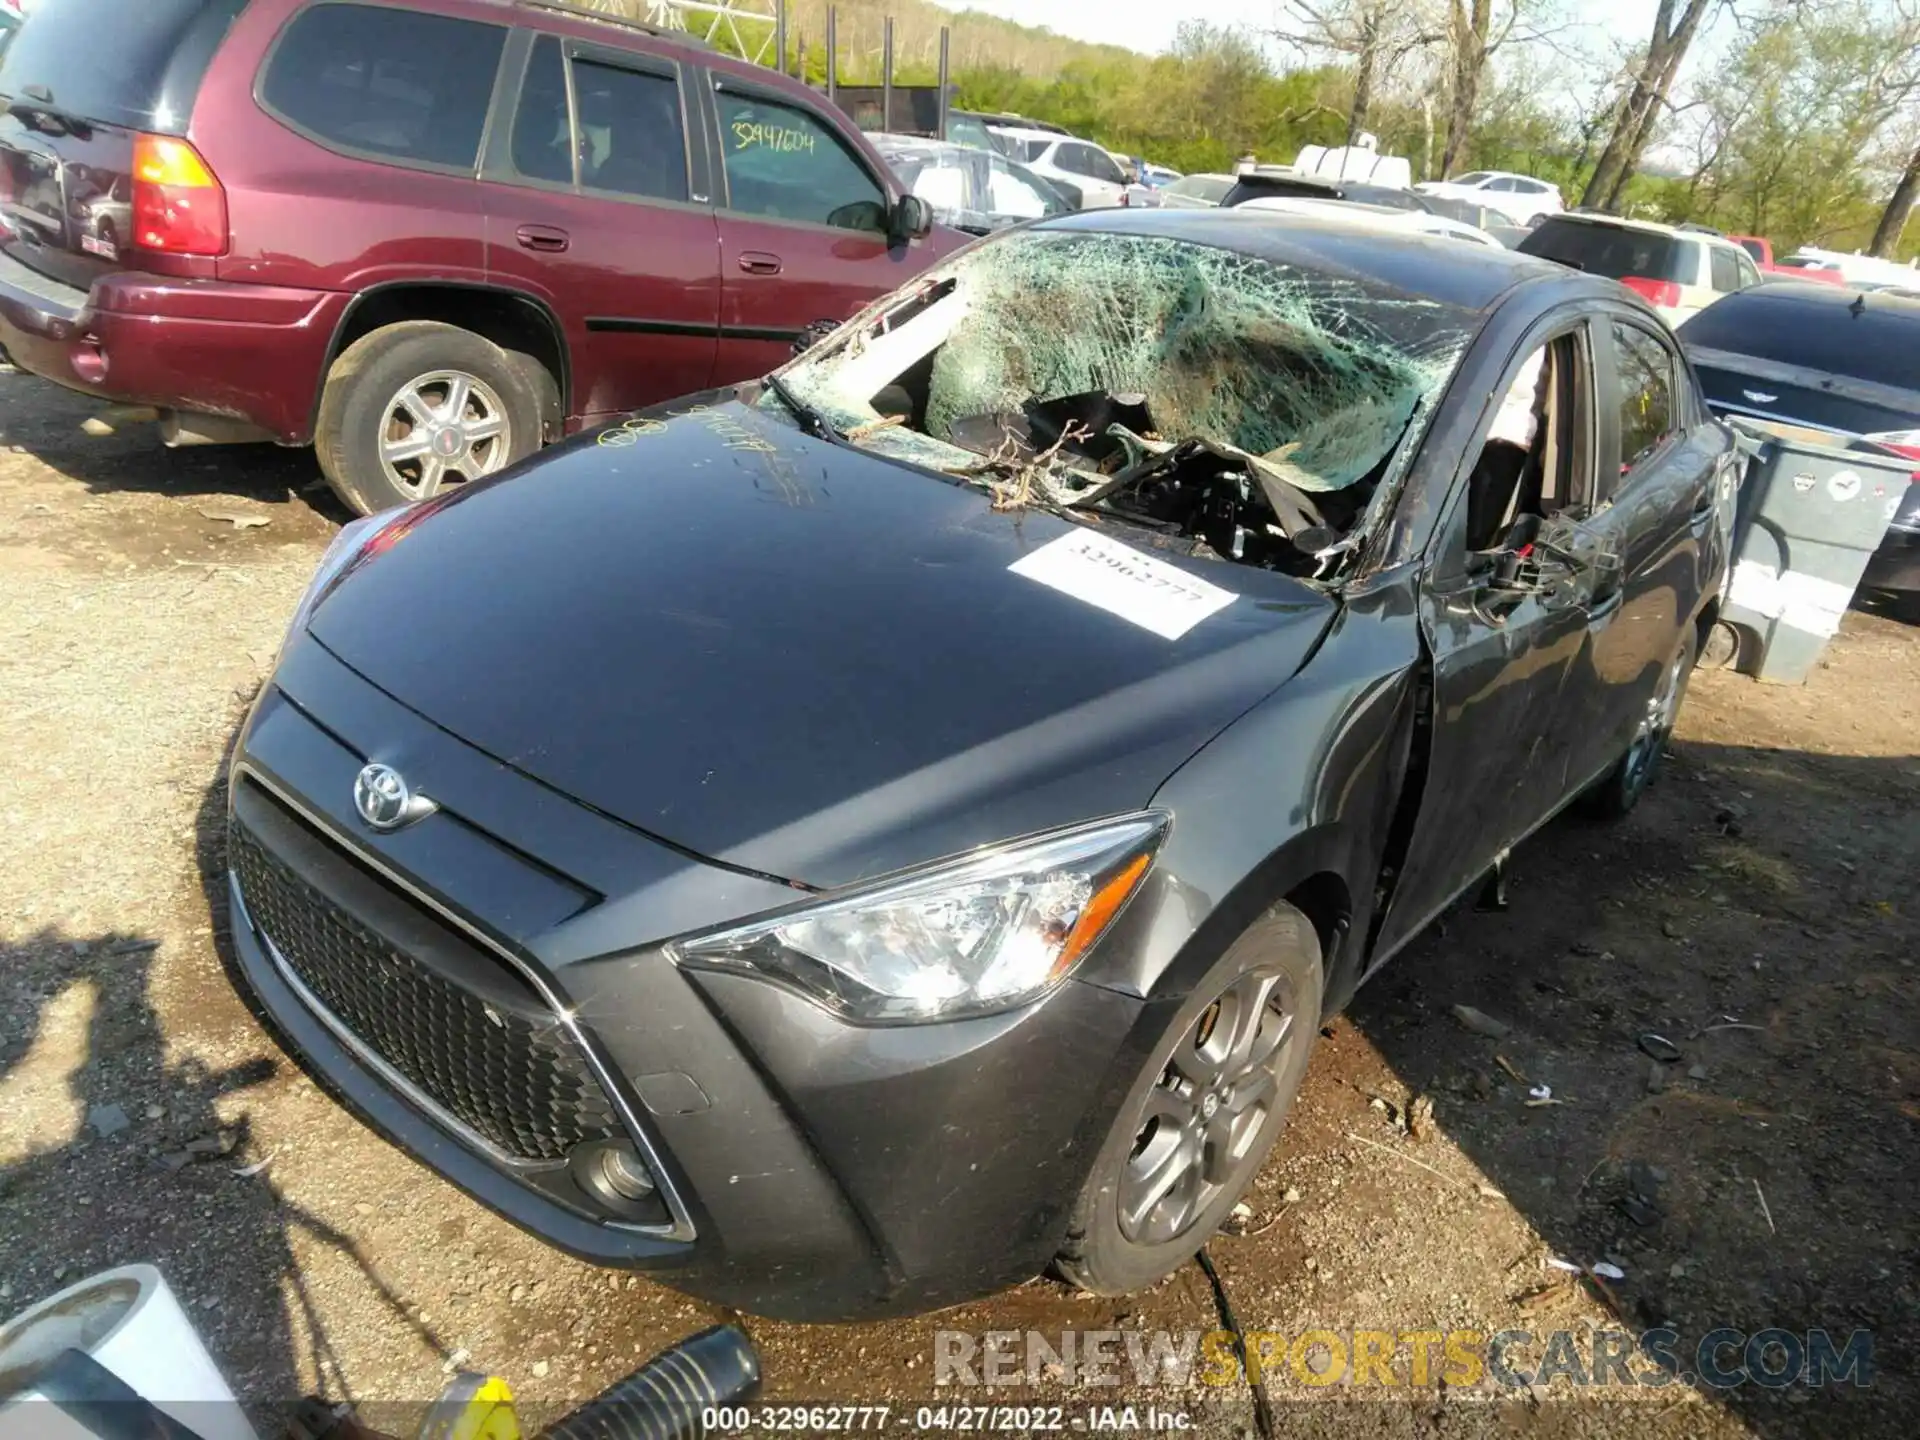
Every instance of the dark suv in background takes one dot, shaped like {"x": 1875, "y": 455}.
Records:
{"x": 423, "y": 236}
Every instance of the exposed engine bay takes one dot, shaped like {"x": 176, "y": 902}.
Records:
{"x": 1248, "y": 409}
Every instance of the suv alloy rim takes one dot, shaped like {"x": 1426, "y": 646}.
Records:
{"x": 440, "y": 426}
{"x": 1199, "y": 1124}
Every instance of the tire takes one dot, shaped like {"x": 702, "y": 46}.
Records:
{"x": 1620, "y": 789}
{"x": 1119, "y": 1239}
{"x": 385, "y": 435}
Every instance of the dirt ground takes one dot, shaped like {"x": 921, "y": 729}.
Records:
{"x": 1757, "y": 912}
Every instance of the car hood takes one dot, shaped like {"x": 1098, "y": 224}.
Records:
{"x": 793, "y": 657}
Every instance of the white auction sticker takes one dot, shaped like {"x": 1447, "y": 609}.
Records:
{"x": 1101, "y": 571}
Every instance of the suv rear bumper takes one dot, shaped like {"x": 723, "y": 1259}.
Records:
{"x": 252, "y": 353}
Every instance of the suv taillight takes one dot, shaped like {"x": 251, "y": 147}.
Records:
{"x": 179, "y": 208}
{"x": 1655, "y": 292}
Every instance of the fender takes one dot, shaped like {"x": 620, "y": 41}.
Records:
{"x": 1340, "y": 798}
{"x": 536, "y": 306}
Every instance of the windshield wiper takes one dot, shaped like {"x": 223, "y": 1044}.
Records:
{"x": 810, "y": 418}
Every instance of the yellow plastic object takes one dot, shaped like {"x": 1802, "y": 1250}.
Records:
{"x": 473, "y": 1407}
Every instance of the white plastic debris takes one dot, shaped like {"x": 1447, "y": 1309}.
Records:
{"x": 1608, "y": 1271}
{"x": 1540, "y": 1092}
{"x": 1557, "y": 1263}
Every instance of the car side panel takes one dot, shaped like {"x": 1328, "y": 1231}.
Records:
{"x": 1663, "y": 523}
{"x": 636, "y": 282}
{"x": 1305, "y": 784}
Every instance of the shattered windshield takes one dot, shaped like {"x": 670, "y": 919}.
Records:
{"x": 1250, "y": 405}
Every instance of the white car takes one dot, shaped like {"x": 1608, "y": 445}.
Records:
{"x": 1369, "y": 217}
{"x": 1081, "y": 164}
{"x": 1520, "y": 198}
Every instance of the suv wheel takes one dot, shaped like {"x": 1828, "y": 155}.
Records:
{"x": 1204, "y": 1112}
{"x": 412, "y": 408}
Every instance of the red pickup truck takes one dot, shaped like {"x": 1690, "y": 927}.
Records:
{"x": 1762, "y": 253}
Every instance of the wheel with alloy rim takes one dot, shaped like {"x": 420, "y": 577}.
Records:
{"x": 1620, "y": 789}
{"x": 1203, "y": 1113}
{"x": 443, "y": 427}
{"x": 414, "y": 408}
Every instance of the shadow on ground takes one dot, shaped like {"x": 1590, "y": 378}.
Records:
{"x": 1752, "y": 1168}
{"x": 40, "y": 419}
{"x": 159, "y": 1156}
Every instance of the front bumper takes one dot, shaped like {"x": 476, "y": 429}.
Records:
{"x": 252, "y": 353}
{"x": 818, "y": 1171}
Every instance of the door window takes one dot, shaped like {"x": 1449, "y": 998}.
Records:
{"x": 1726, "y": 269}
{"x": 631, "y": 139}
{"x": 543, "y": 125}
{"x": 1102, "y": 166}
{"x": 398, "y": 84}
{"x": 1645, "y": 370}
{"x": 786, "y": 164}
{"x": 1749, "y": 272}
{"x": 1504, "y": 185}
{"x": 1535, "y": 461}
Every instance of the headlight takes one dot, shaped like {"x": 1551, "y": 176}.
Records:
{"x": 983, "y": 934}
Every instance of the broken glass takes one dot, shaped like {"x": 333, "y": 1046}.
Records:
{"x": 1141, "y": 375}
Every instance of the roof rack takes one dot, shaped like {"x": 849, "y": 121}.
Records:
{"x": 574, "y": 10}
{"x": 1702, "y": 229}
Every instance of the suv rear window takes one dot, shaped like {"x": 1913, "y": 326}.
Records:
{"x": 1258, "y": 187}
{"x": 1611, "y": 250}
{"x": 136, "y": 63}
{"x": 1880, "y": 342}
{"x": 392, "y": 83}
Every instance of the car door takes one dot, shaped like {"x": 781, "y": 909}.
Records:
{"x": 1501, "y": 193}
{"x": 1501, "y": 653}
{"x": 1103, "y": 173}
{"x": 596, "y": 206}
{"x": 803, "y": 225}
{"x": 1662, "y": 467}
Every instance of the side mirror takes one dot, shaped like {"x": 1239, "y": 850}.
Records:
{"x": 912, "y": 218}
{"x": 1561, "y": 560}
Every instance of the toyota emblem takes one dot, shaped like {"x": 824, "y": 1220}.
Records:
{"x": 381, "y": 796}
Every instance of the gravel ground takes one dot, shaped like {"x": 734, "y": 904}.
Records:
{"x": 1757, "y": 911}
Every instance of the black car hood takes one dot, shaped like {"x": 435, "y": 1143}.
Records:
{"x": 793, "y": 657}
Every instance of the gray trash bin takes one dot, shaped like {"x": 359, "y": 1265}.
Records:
{"x": 1812, "y": 510}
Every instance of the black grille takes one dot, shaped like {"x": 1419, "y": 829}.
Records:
{"x": 515, "y": 1078}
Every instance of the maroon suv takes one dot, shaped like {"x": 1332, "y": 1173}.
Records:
{"x": 423, "y": 235}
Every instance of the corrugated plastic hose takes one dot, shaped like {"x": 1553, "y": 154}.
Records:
{"x": 666, "y": 1398}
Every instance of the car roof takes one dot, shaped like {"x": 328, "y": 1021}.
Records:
{"x": 1469, "y": 276}
{"x": 1021, "y": 132}
{"x": 1812, "y": 293}
{"x": 1651, "y": 227}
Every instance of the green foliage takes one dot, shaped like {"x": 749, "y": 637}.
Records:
{"x": 1800, "y": 124}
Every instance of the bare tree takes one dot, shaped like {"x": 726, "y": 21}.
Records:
{"x": 1893, "y": 219}
{"x": 1374, "y": 35}
{"x": 1673, "y": 30}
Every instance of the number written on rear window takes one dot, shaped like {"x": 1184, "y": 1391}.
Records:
{"x": 392, "y": 83}
{"x": 1646, "y": 392}
{"x": 785, "y": 164}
